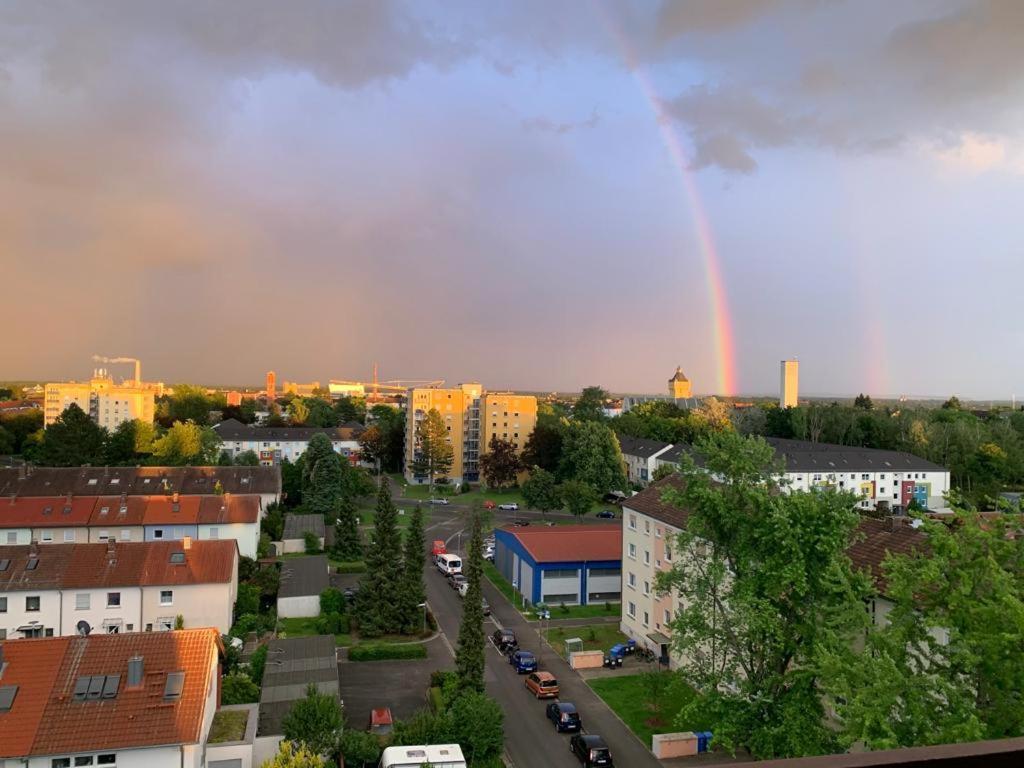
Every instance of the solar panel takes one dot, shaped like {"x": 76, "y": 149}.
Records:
{"x": 175, "y": 684}
{"x": 110, "y": 686}
{"x": 96, "y": 686}
{"x": 81, "y": 688}
{"x": 7, "y": 694}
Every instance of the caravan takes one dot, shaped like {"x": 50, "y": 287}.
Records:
{"x": 434, "y": 755}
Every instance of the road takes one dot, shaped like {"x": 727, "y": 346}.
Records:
{"x": 530, "y": 739}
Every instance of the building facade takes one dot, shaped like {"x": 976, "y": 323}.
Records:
{"x": 472, "y": 416}
{"x": 789, "y": 384}
{"x": 107, "y": 403}
{"x": 679, "y": 387}
{"x": 641, "y": 456}
{"x": 274, "y": 444}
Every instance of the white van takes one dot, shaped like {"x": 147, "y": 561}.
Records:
{"x": 449, "y": 564}
{"x": 436, "y": 755}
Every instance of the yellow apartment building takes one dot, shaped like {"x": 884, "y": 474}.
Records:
{"x": 108, "y": 404}
{"x": 789, "y": 384}
{"x": 471, "y": 415}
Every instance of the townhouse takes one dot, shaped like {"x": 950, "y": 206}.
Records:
{"x": 108, "y": 588}
{"x": 641, "y": 456}
{"x": 70, "y": 519}
{"x": 28, "y": 481}
{"x": 109, "y": 701}
{"x": 274, "y": 444}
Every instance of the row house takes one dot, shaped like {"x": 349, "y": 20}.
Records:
{"x": 109, "y": 701}
{"x": 641, "y": 457}
{"x": 275, "y": 444}
{"x": 83, "y": 519}
{"x": 109, "y": 588}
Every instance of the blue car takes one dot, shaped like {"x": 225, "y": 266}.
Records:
{"x": 523, "y": 661}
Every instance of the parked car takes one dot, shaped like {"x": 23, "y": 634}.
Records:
{"x": 509, "y": 506}
{"x": 520, "y": 523}
{"x": 449, "y": 564}
{"x": 504, "y": 638}
{"x": 486, "y": 606}
{"x": 564, "y": 716}
{"x": 457, "y": 580}
{"x": 614, "y": 497}
{"x": 489, "y": 555}
{"x": 489, "y": 504}
{"x": 462, "y": 588}
{"x": 591, "y": 750}
{"x": 439, "y": 501}
{"x": 543, "y": 685}
{"x": 523, "y": 661}
{"x": 438, "y": 548}
{"x": 606, "y": 514}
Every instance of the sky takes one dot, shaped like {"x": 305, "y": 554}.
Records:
{"x": 536, "y": 195}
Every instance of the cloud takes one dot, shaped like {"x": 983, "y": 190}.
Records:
{"x": 547, "y": 125}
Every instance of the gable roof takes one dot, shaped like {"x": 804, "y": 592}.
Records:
{"x": 296, "y": 526}
{"x": 304, "y": 576}
{"x": 570, "y": 543}
{"x": 46, "y": 719}
{"x": 641, "y": 446}
{"x": 134, "y": 481}
{"x": 234, "y": 430}
{"x": 62, "y": 512}
{"x": 292, "y": 664}
{"x": 649, "y": 502}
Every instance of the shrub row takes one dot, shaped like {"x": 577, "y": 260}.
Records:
{"x": 354, "y": 566}
{"x": 384, "y": 651}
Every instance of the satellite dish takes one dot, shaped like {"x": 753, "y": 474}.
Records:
{"x": 84, "y": 628}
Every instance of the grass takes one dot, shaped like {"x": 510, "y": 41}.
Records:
{"x": 628, "y": 697}
{"x": 570, "y": 612}
{"x": 228, "y": 725}
{"x": 413, "y": 491}
{"x": 593, "y": 611}
{"x": 304, "y": 626}
{"x": 366, "y": 516}
{"x": 378, "y": 651}
{"x": 595, "y": 637}
{"x": 499, "y": 582}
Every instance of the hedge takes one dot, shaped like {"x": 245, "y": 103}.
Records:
{"x": 436, "y": 699}
{"x": 353, "y": 566}
{"x": 384, "y": 651}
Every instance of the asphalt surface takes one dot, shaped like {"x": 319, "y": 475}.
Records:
{"x": 530, "y": 739}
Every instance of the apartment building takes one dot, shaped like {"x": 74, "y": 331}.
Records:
{"x": 26, "y": 481}
{"x": 108, "y": 404}
{"x": 472, "y": 416}
{"x": 109, "y": 701}
{"x": 274, "y": 444}
{"x": 641, "y": 457}
{"x": 78, "y": 589}
{"x": 69, "y": 519}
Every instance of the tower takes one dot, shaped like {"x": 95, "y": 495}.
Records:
{"x": 789, "y": 376}
{"x": 271, "y": 385}
{"x": 679, "y": 386}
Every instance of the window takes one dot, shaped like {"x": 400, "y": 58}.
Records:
{"x": 166, "y": 597}
{"x": 632, "y": 550}
{"x": 82, "y": 601}
{"x": 632, "y": 580}
{"x": 632, "y": 522}
{"x": 104, "y": 535}
{"x": 12, "y": 537}
{"x": 85, "y": 760}
{"x": 47, "y": 535}
{"x": 106, "y": 759}
{"x": 631, "y": 610}
{"x": 214, "y": 532}
{"x": 647, "y": 557}
{"x": 668, "y": 616}
{"x": 647, "y": 618}
{"x": 647, "y": 587}
{"x": 865, "y": 476}
{"x": 32, "y": 604}
{"x": 882, "y": 476}
{"x": 3, "y": 605}
{"x": 126, "y": 535}
{"x": 657, "y": 532}
{"x": 113, "y": 599}
{"x": 158, "y": 533}
{"x": 668, "y": 552}
{"x": 60, "y": 762}
{"x": 561, "y": 573}
{"x": 647, "y": 527}
{"x": 69, "y": 535}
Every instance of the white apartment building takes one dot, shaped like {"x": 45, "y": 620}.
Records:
{"x": 81, "y": 589}
{"x": 108, "y": 404}
{"x": 274, "y": 444}
{"x": 641, "y": 456}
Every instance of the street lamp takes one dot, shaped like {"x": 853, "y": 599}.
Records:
{"x": 424, "y": 607}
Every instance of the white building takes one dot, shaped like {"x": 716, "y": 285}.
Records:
{"x": 274, "y": 444}
{"x": 108, "y": 404}
{"x": 81, "y": 589}
{"x": 302, "y": 581}
{"x": 109, "y": 701}
{"x": 641, "y": 456}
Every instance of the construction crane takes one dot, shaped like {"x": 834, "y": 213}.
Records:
{"x": 138, "y": 364}
{"x": 391, "y": 385}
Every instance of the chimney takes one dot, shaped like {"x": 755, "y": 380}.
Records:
{"x": 186, "y": 543}
{"x": 136, "y": 668}
{"x": 33, "y": 548}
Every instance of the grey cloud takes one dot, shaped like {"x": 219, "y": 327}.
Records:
{"x": 548, "y": 125}
{"x": 677, "y": 17}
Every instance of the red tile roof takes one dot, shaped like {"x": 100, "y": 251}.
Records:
{"x": 571, "y": 543}
{"x": 31, "y": 512}
{"x": 49, "y": 721}
{"x": 126, "y": 564}
{"x": 129, "y": 510}
{"x": 46, "y": 512}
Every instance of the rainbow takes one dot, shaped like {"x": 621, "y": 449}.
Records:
{"x": 720, "y": 317}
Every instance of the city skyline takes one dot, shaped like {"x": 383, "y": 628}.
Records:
{"x": 537, "y": 197}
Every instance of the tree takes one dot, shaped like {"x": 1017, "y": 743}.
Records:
{"x": 298, "y": 412}
{"x": 413, "y": 593}
{"x": 237, "y": 688}
{"x": 351, "y": 409}
{"x": 273, "y": 521}
{"x": 766, "y": 592}
{"x": 953, "y": 404}
{"x": 188, "y": 403}
{"x": 6, "y": 442}
{"x": 359, "y": 747}
{"x": 469, "y": 656}
{"x": 592, "y": 455}
{"x": 314, "y": 721}
{"x": 332, "y": 601}
{"x": 863, "y": 402}
{"x": 257, "y": 663}
{"x": 660, "y": 473}
{"x": 247, "y": 600}
{"x": 131, "y": 441}
{"x": 578, "y": 497}
{"x": 477, "y": 726}
{"x": 589, "y": 405}
{"x": 292, "y": 481}
{"x": 434, "y": 455}
{"x": 324, "y": 470}
{"x": 391, "y": 423}
{"x": 540, "y": 491}
{"x": 320, "y": 413}
{"x": 247, "y": 459}
{"x": 72, "y": 440}
{"x": 187, "y": 443}
{"x": 945, "y": 667}
{"x": 348, "y": 544}
{"x": 372, "y": 445}
{"x": 311, "y": 543}
{"x": 500, "y": 466}
{"x": 295, "y": 756}
{"x": 378, "y": 602}
{"x": 544, "y": 445}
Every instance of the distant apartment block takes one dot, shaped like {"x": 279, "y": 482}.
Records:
{"x": 108, "y": 404}
{"x": 112, "y": 587}
{"x": 471, "y": 416}
{"x": 274, "y": 444}
{"x": 789, "y": 383}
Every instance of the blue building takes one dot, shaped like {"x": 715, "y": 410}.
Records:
{"x": 570, "y": 564}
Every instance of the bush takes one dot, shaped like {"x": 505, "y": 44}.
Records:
{"x": 312, "y": 542}
{"x": 238, "y": 688}
{"x": 257, "y": 662}
{"x": 332, "y": 601}
{"x": 359, "y": 748}
{"x": 436, "y": 699}
{"x": 252, "y": 622}
{"x": 333, "y": 624}
{"x": 352, "y": 566}
{"x": 385, "y": 651}
{"x": 247, "y": 601}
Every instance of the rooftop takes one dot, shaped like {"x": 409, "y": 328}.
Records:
{"x": 641, "y": 446}
{"x": 292, "y": 664}
{"x": 73, "y": 511}
{"x": 296, "y": 526}
{"x": 304, "y": 576}
{"x": 135, "y": 481}
{"x": 232, "y": 429}
{"x": 570, "y": 543}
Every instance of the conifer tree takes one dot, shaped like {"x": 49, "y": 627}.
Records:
{"x": 348, "y": 545}
{"x": 379, "y": 611}
{"x": 434, "y": 454}
{"x": 413, "y": 593}
{"x": 469, "y": 658}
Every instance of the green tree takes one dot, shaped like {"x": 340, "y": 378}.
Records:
{"x": 332, "y": 601}
{"x": 591, "y": 454}
{"x": 294, "y": 756}
{"x": 247, "y": 459}
{"x": 257, "y": 663}
{"x": 351, "y": 409}
{"x": 292, "y": 481}
{"x": 544, "y": 445}
{"x": 378, "y": 602}
{"x": 540, "y": 491}
{"x": 237, "y": 688}
{"x": 187, "y": 443}
{"x": 434, "y": 454}
{"x": 478, "y": 726}
{"x": 863, "y": 402}
{"x": 273, "y": 521}
{"x": 663, "y": 471}
{"x": 311, "y": 543}
{"x": 578, "y": 497}
{"x": 766, "y": 592}
{"x": 348, "y": 544}
{"x": 945, "y": 667}
{"x": 589, "y": 406}
{"x": 189, "y": 403}
{"x": 298, "y": 412}
{"x": 953, "y": 404}
{"x": 320, "y": 413}
{"x": 131, "y": 441}
{"x": 6, "y": 442}
{"x": 314, "y": 721}
{"x": 391, "y": 422}
{"x": 469, "y": 656}
{"x": 72, "y": 440}
{"x": 324, "y": 470}
{"x": 247, "y": 600}
{"x": 413, "y": 592}
{"x": 500, "y": 466}
{"x": 373, "y": 445}
{"x": 359, "y": 747}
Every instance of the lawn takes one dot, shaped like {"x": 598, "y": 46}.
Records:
{"x": 595, "y": 637}
{"x": 303, "y": 626}
{"x": 366, "y": 516}
{"x": 628, "y": 697}
{"x": 413, "y": 491}
{"x": 228, "y": 725}
{"x": 499, "y": 582}
{"x": 594, "y": 610}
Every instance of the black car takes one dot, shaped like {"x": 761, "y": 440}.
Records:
{"x": 520, "y": 523}
{"x": 606, "y": 514}
{"x": 591, "y": 750}
{"x": 504, "y": 639}
{"x": 564, "y": 716}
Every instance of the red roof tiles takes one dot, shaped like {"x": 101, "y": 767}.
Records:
{"x": 49, "y": 511}
{"x": 571, "y": 543}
